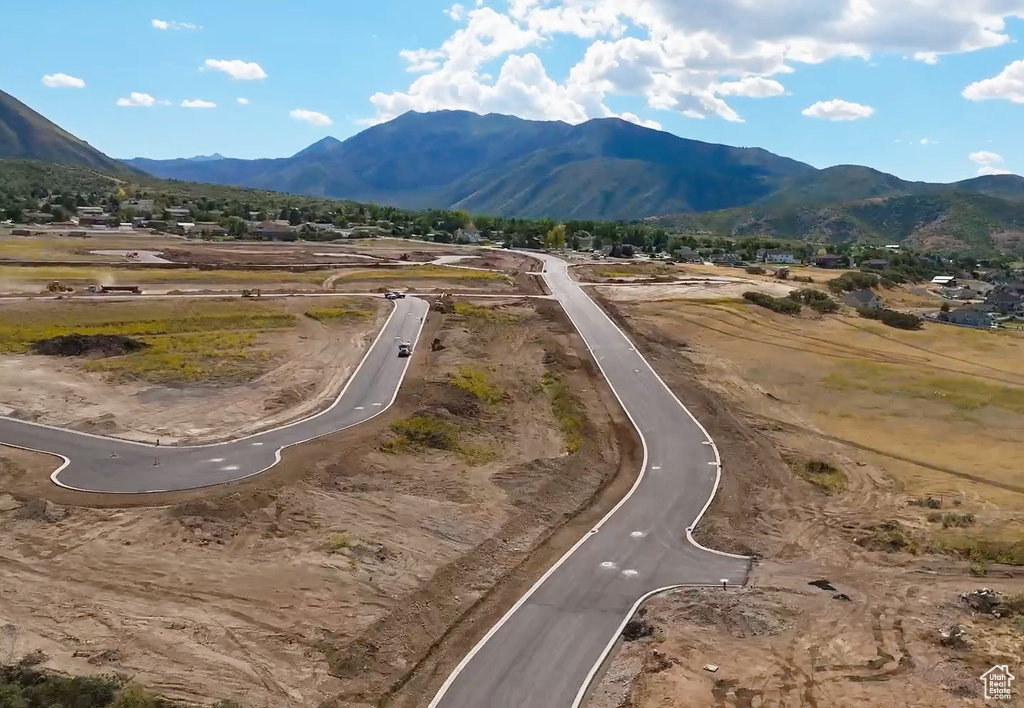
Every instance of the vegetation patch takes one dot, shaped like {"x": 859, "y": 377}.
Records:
{"x": 478, "y": 383}
{"x": 822, "y": 474}
{"x": 22, "y": 685}
{"x": 899, "y": 320}
{"x": 89, "y": 274}
{"x": 434, "y": 433}
{"x": 854, "y": 280}
{"x": 979, "y": 550}
{"x": 421, "y": 273}
{"x": 334, "y": 314}
{"x": 783, "y": 305}
{"x": 567, "y": 409}
{"x": 815, "y": 299}
{"x": 96, "y": 345}
{"x": 962, "y": 392}
{"x": 491, "y": 314}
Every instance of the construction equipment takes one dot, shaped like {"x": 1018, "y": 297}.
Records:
{"x": 251, "y": 293}
{"x": 392, "y": 295}
{"x": 58, "y": 287}
{"x": 107, "y": 289}
{"x": 404, "y": 349}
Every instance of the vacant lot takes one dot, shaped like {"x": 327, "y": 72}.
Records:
{"x": 881, "y": 460}
{"x": 207, "y": 368}
{"x": 329, "y": 579}
{"x": 625, "y": 270}
{"x": 61, "y": 247}
{"x": 421, "y": 278}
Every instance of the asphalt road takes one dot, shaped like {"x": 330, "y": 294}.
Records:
{"x": 100, "y": 464}
{"x": 547, "y": 649}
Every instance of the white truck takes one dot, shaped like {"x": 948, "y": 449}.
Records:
{"x": 404, "y": 349}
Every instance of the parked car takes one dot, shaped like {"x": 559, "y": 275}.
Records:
{"x": 391, "y": 295}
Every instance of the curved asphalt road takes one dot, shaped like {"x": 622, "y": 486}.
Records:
{"x": 545, "y": 652}
{"x": 99, "y": 464}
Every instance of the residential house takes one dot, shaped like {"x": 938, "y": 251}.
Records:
{"x": 37, "y": 217}
{"x": 875, "y": 264}
{"x": 254, "y": 216}
{"x": 100, "y": 220}
{"x": 830, "y": 260}
{"x": 959, "y": 293}
{"x": 946, "y": 281}
{"x": 467, "y": 235}
{"x": 775, "y": 255}
{"x": 210, "y": 228}
{"x": 893, "y": 247}
{"x": 1005, "y": 297}
{"x": 726, "y": 259}
{"x": 687, "y": 255}
{"x": 863, "y": 298}
{"x": 584, "y": 241}
{"x": 274, "y": 230}
{"x": 139, "y": 205}
{"x": 179, "y": 213}
{"x": 90, "y": 211}
{"x": 971, "y": 316}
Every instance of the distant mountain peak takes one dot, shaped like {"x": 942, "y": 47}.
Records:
{"x": 207, "y": 158}
{"x": 320, "y": 147}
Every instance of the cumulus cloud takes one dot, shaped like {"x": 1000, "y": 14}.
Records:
{"x": 243, "y": 101}
{"x": 164, "y": 25}
{"x": 1008, "y": 85}
{"x": 753, "y": 87}
{"x": 237, "y": 69}
{"x": 62, "y": 81}
{"x": 988, "y": 163}
{"x": 838, "y": 110}
{"x": 197, "y": 103}
{"x": 142, "y": 100}
{"x": 311, "y": 117}
{"x": 684, "y": 57}
{"x": 637, "y": 120}
{"x": 456, "y": 12}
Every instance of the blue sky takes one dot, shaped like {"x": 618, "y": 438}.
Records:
{"x": 912, "y": 87}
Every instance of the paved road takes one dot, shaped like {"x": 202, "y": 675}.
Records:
{"x": 546, "y": 650}
{"x": 99, "y": 464}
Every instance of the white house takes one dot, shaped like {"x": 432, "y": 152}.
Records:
{"x": 945, "y": 281}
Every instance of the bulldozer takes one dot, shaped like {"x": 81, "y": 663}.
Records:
{"x": 58, "y": 287}
{"x": 251, "y": 293}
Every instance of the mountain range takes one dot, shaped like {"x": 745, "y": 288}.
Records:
{"x": 602, "y": 169}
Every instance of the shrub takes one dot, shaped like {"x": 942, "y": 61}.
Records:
{"x": 785, "y": 305}
{"x": 825, "y": 306}
{"x": 899, "y": 320}
{"x": 477, "y": 383}
{"x": 803, "y": 279}
{"x": 822, "y": 474}
{"x": 957, "y": 521}
{"x": 848, "y": 282}
{"x": 755, "y": 270}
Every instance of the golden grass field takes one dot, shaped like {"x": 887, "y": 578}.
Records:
{"x": 940, "y": 410}
{"x": 188, "y": 341}
{"x": 67, "y": 248}
{"x": 79, "y": 276}
{"x": 425, "y": 272}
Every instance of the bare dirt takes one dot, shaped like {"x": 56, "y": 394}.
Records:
{"x": 338, "y": 577}
{"x": 309, "y": 365}
{"x": 870, "y": 635}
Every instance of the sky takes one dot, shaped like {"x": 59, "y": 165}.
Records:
{"x": 928, "y": 90}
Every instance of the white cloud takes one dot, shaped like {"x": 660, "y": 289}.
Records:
{"x": 311, "y": 117}
{"x": 243, "y": 101}
{"x": 456, "y": 12}
{"x": 62, "y": 81}
{"x": 687, "y": 57}
{"x": 753, "y": 87}
{"x": 238, "y": 69}
{"x": 143, "y": 100}
{"x": 1008, "y": 85}
{"x": 633, "y": 118}
{"x": 197, "y": 103}
{"x": 988, "y": 163}
{"x": 164, "y": 25}
{"x": 837, "y": 109}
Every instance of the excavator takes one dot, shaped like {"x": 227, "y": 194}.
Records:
{"x": 58, "y": 287}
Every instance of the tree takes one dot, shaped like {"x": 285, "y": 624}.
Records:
{"x": 555, "y": 238}
{"x": 59, "y": 214}
{"x": 945, "y": 307}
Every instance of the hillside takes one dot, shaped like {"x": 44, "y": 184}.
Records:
{"x": 936, "y": 220}
{"x": 506, "y": 166}
{"x": 28, "y": 135}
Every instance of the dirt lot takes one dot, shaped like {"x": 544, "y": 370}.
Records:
{"x": 213, "y": 369}
{"x": 332, "y": 578}
{"x": 882, "y": 461}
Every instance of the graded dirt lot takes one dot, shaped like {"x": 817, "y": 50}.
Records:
{"x": 332, "y": 578}
{"x": 210, "y": 369}
{"x": 883, "y": 461}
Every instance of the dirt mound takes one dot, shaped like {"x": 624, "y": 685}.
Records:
{"x": 96, "y": 345}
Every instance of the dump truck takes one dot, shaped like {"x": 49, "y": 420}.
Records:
{"x": 404, "y": 349}
{"x": 58, "y": 287}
